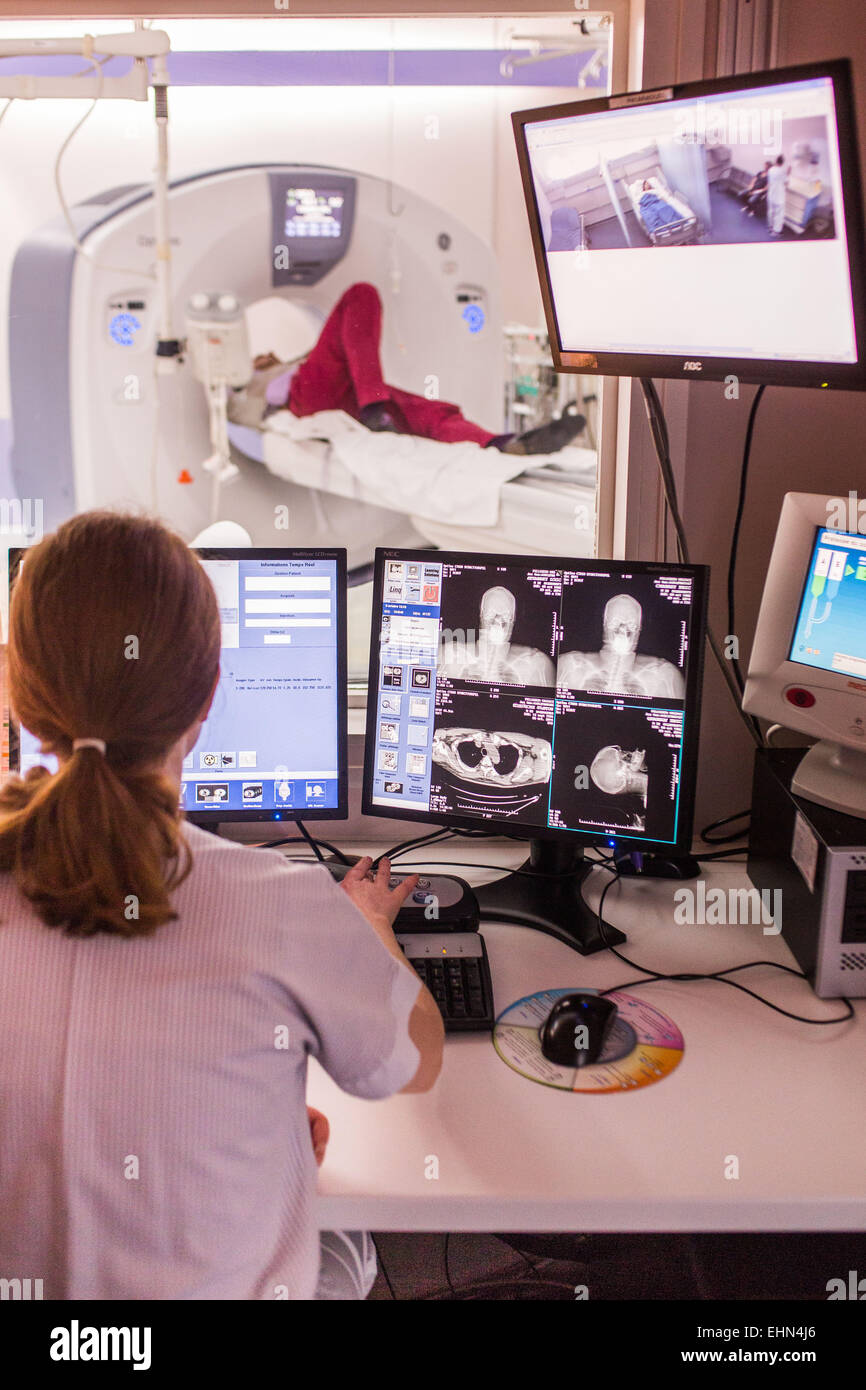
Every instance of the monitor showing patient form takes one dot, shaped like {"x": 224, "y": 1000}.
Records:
{"x": 274, "y": 744}
{"x": 704, "y": 230}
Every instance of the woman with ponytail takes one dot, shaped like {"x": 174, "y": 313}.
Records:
{"x": 161, "y": 989}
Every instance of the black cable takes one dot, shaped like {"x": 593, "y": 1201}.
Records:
{"x": 489, "y": 1288}
{"x": 310, "y": 841}
{"x": 659, "y": 432}
{"x": 504, "y": 869}
{"x": 275, "y": 844}
{"x": 726, "y": 820}
{"x": 485, "y": 834}
{"x": 403, "y": 846}
{"x": 685, "y": 976}
{"x": 335, "y": 850}
{"x": 533, "y": 1268}
{"x": 735, "y": 535}
{"x": 381, "y": 1263}
{"x": 435, "y": 836}
{"x": 304, "y": 840}
{"x": 511, "y": 1278}
{"x": 741, "y": 836}
{"x": 722, "y": 853}
{"x": 300, "y": 858}
{"x": 447, "y": 1271}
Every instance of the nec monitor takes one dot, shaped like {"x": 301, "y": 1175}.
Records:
{"x": 808, "y": 664}
{"x": 547, "y": 698}
{"x": 274, "y": 744}
{"x": 704, "y": 230}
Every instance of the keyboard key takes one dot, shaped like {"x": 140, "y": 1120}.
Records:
{"x": 460, "y": 985}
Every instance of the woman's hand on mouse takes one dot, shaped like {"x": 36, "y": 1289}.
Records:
{"x": 371, "y": 893}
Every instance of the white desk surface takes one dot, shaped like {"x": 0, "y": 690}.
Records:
{"x": 786, "y": 1100}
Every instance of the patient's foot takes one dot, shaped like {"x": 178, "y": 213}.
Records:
{"x": 378, "y": 416}
{"x": 548, "y": 439}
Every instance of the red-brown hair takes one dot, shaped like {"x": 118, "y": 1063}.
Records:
{"x": 114, "y": 633}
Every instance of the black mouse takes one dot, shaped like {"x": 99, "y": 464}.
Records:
{"x": 558, "y": 1033}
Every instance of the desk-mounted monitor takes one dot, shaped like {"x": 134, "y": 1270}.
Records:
{"x": 705, "y": 230}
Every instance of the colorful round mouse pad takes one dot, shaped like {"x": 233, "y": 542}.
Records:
{"x": 642, "y": 1047}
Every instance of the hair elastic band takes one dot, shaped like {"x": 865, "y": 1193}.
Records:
{"x": 89, "y": 743}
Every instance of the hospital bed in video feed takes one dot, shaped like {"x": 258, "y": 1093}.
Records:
{"x": 681, "y": 228}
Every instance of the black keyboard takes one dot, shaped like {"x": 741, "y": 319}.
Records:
{"x": 455, "y": 969}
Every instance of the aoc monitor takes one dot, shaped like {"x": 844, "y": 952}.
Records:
{"x": 808, "y": 664}
{"x": 550, "y": 699}
{"x": 705, "y": 231}
{"x": 274, "y": 745}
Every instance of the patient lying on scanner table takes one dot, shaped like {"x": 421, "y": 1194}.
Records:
{"x": 343, "y": 372}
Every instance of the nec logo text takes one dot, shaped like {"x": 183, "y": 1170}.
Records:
{"x": 693, "y": 366}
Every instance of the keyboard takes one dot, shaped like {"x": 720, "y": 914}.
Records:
{"x": 455, "y": 969}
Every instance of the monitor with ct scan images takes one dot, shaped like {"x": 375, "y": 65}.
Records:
{"x": 556, "y": 700}
{"x": 273, "y": 747}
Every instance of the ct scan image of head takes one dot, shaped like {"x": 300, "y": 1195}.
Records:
{"x": 493, "y": 656}
{"x": 619, "y": 772}
{"x": 505, "y": 760}
{"x": 618, "y": 667}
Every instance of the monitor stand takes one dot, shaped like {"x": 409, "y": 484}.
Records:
{"x": 546, "y": 894}
{"x": 834, "y": 776}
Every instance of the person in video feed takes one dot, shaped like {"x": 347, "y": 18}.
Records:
{"x": 618, "y": 667}
{"x": 493, "y": 656}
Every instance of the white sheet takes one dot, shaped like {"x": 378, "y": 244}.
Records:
{"x": 459, "y": 483}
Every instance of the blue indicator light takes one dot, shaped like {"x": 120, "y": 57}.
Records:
{"x": 123, "y": 328}
{"x": 473, "y": 317}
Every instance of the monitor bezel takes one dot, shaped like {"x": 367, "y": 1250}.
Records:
{"x": 240, "y": 817}
{"x": 771, "y": 669}
{"x": 577, "y": 838}
{"x": 304, "y": 813}
{"x": 831, "y": 375}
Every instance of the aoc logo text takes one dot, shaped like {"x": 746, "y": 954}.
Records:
{"x": 693, "y": 366}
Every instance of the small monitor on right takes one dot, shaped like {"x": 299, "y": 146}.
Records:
{"x": 808, "y": 665}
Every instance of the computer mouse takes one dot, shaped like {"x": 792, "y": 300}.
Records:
{"x": 559, "y": 1035}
